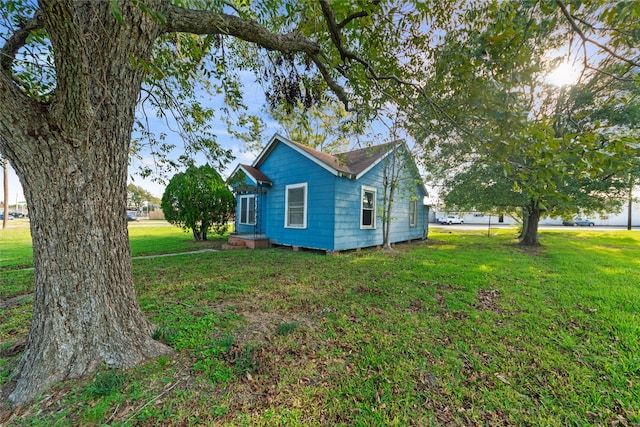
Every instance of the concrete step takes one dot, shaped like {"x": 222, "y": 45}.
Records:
{"x": 248, "y": 242}
{"x": 258, "y": 243}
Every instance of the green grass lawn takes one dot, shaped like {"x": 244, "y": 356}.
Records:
{"x": 462, "y": 329}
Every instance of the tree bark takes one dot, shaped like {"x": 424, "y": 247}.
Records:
{"x": 525, "y": 222}
{"x": 85, "y": 309}
{"x": 530, "y": 233}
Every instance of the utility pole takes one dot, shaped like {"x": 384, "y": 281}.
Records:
{"x": 5, "y": 205}
{"x": 630, "y": 204}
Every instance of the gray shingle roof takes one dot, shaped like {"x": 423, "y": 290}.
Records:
{"x": 350, "y": 162}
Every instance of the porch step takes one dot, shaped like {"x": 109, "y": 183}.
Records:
{"x": 238, "y": 242}
{"x": 258, "y": 244}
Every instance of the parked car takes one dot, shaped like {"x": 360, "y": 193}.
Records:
{"x": 9, "y": 217}
{"x": 583, "y": 222}
{"x": 131, "y": 217}
{"x": 450, "y": 219}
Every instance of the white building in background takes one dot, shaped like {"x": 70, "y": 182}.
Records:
{"x": 605, "y": 219}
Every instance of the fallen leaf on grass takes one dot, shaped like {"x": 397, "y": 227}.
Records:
{"x": 502, "y": 378}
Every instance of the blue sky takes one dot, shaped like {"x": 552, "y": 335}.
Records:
{"x": 254, "y": 99}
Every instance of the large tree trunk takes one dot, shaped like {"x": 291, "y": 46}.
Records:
{"x": 530, "y": 233}
{"x": 525, "y": 222}
{"x": 85, "y": 308}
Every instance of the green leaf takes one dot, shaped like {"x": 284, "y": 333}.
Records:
{"x": 115, "y": 10}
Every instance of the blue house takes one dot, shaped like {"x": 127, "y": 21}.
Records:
{"x": 296, "y": 196}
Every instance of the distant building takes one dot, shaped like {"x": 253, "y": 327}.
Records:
{"x": 603, "y": 219}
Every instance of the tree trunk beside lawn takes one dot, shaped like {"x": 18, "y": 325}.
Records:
{"x": 85, "y": 309}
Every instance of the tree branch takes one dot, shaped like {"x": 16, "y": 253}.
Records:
{"x": 586, "y": 39}
{"x": 331, "y": 82}
{"x": 602, "y": 29}
{"x": 336, "y": 37}
{"x": 206, "y": 22}
{"x": 360, "y": 14}
{"x": 17, "y": 40}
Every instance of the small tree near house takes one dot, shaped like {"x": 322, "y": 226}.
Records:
{"x": 198, "y": 200}
{"x": 400, "y": 176}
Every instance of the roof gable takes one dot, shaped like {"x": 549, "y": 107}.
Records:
{"x": 255, "y": 175}
{"x": 352, "y": 164}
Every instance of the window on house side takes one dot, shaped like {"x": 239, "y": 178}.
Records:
{"x": 368, "y": 208}
{"x": 413, "y": 213}
{"x": 296, "y": 206}
{"x": 248, "y": 210}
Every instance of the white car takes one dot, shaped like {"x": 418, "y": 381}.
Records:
{"x": 451, "y": 219}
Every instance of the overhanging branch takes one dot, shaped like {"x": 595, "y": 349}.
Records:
{"x": 18, "y": 40}
{"x": 355, "y": 15}
{"x": 206, "y": 22}
{"x": 586, "y": 39}
{"x": 336, "y": 37}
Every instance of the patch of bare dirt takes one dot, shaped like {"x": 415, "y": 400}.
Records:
{"x": 489, "y": 300}
{"x": 416, "y": 306}
{"x": 261, "y": 325}
{"x": 531, "y": 250}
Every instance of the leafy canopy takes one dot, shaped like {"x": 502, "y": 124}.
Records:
{"x": 502, "y": 135}
{"x": 198, "y": 200}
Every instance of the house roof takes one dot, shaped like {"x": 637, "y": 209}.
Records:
{"x": 351, "y": 163}
{"x": 254, "y": 174}
{"x": 362, "y": 159}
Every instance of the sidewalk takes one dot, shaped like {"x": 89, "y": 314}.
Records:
{"x": 147, "y": 256}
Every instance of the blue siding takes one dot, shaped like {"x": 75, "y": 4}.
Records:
{"x": 400, "y": 228}
{"x": 347, "y": 215}
{"x": 333, "y": 205}
{"x": 285, "y": 166}
{"x": 348, "y": 204}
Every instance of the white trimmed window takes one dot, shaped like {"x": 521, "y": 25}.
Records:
{"x": 248, "y": 210}
{"x": 413, "y": 213}
{"x": 296, "y": 206}
{"x": 368, "y": 208}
